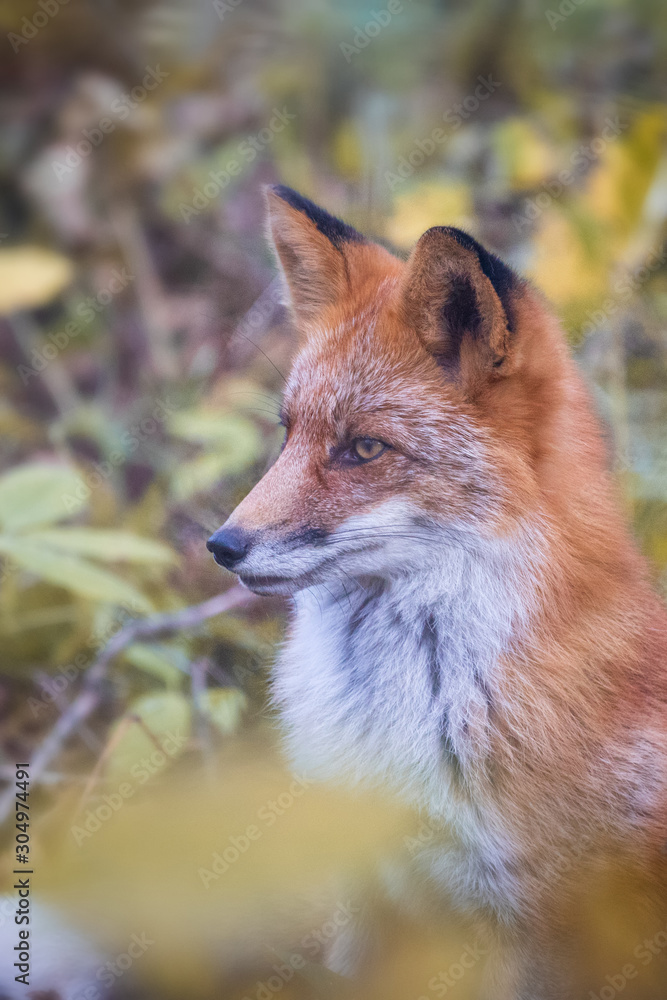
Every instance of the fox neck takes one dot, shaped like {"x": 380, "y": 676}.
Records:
{"x": 394, "y": 681}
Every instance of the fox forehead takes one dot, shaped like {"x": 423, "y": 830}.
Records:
{"x": 363, "y": 374}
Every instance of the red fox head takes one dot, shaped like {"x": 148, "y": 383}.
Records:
{"x": 414, "y": 413}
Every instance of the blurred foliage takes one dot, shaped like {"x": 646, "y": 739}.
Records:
{"x": 142, "y": 345}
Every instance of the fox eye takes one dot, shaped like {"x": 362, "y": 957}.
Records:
{"x": 364, "y": 449}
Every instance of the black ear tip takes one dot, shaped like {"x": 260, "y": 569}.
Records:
{"x": 335, "y": 230}
{"x": 294, "y": 199}
{"x": 282, "y": 191}
{"x": 504, "y": 280}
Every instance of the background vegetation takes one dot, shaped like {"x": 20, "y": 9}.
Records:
{"x": 142, "y": 342}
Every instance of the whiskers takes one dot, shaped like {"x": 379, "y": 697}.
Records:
{"x": 268, "y": 404}
{"x": 412, "y": 534}
{"x": 363, "y": 540}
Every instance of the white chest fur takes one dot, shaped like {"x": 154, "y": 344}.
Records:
{"x": 393, "y": 683}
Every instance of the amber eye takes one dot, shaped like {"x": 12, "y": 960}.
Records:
{"x": 367, "y": 448}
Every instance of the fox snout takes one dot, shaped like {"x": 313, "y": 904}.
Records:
{"x": 229, "y": 546}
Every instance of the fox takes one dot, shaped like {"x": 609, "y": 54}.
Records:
{"x": 472, "y": 625}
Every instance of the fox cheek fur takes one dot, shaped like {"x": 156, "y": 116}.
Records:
{"x": 472, "y": 624}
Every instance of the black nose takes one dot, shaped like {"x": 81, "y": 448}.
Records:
{"x": 229, "y": 546}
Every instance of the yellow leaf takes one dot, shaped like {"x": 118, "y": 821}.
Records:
{"x": 174, "y": 840}
{"x": 434, "y": 203}
{"x": 525, "y": 155}
{"x": 347, "y": 150}
{"x": 31, "y": 276}
{"x": 620, "y": 182}
{"x": 563, "y": 266}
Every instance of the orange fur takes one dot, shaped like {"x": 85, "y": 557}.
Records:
{"x": 577, "y": 750}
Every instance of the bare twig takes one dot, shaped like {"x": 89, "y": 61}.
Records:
{"x": 88, "y": 697}
{"x": 112, "y": 743}
{"x": 60, "y": 701}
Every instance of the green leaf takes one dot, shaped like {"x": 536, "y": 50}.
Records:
{"x": 74, "y": 574}
{"x": 224, "y": 707}
{"x": 210, "y": 426}
{"x": 108, "y": 546}
{"x": 202, "y": 426}
{"x": 198, "y": 475}
{"x": 35, "y": 494}
{"x": 167, "y": 662}
{"x": 232, "y": 444}
{"x": 143, "y": 752}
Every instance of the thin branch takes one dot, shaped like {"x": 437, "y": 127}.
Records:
{"x": 60, "y": 701}
{"x": 89, "y": 696}
{"x": 112, "y": 743}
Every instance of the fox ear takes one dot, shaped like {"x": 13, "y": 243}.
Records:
{"x": 459, "y": 298}
{"x": 311, "y": 249}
